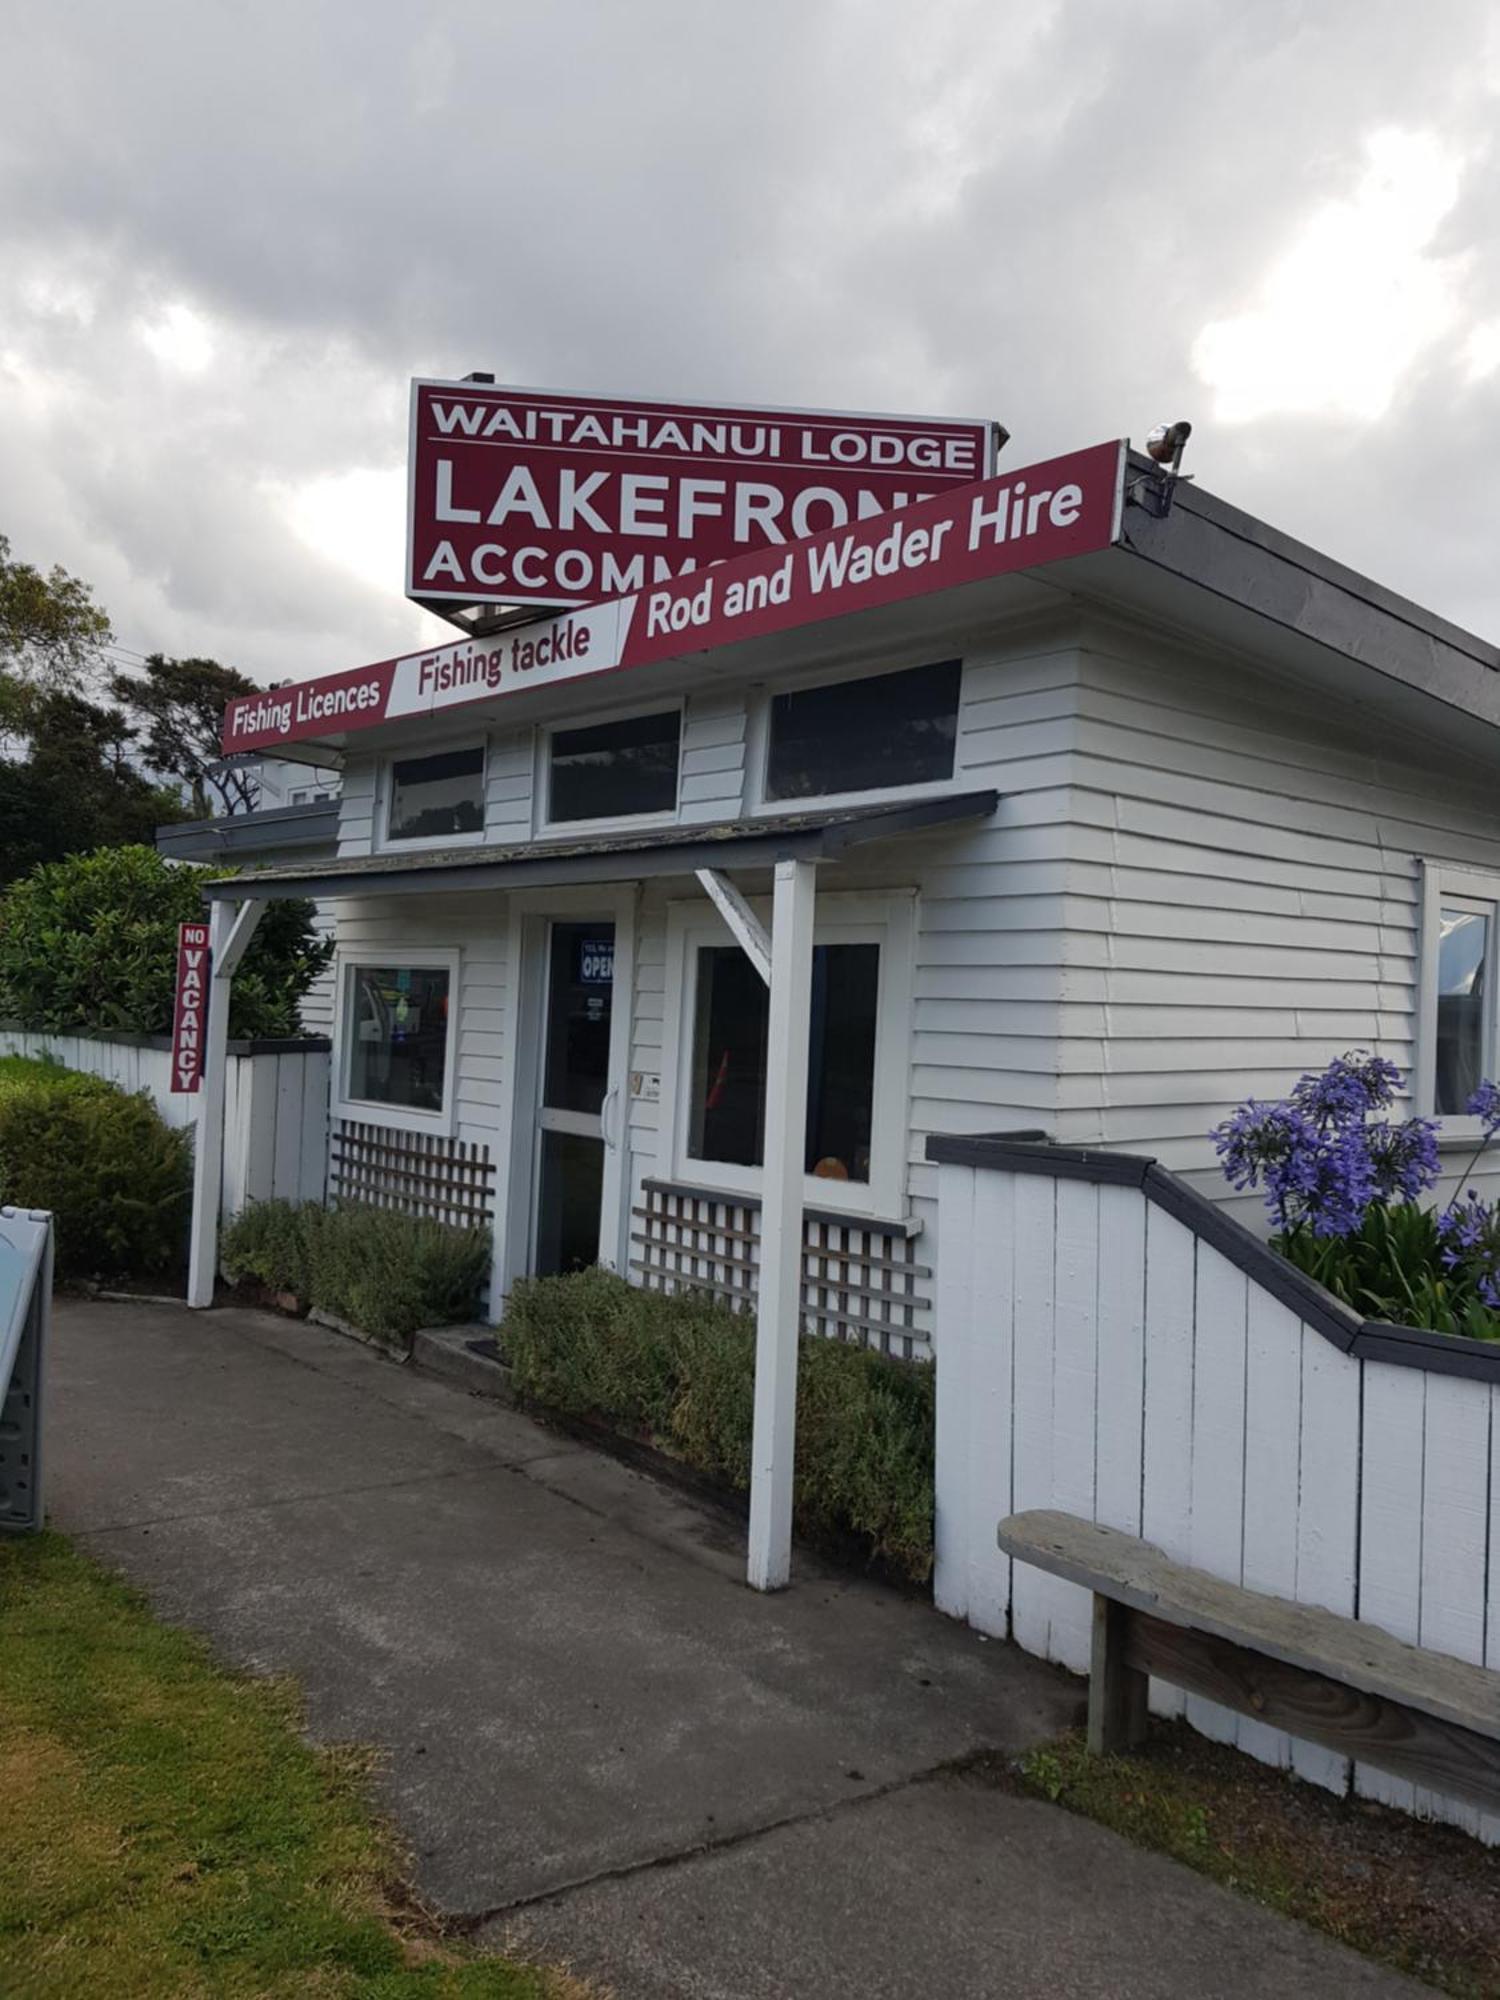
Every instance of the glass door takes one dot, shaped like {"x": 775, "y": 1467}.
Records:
{"x": 580, "y": 975}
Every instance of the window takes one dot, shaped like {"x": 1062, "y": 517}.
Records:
{"x": 437, "y": 795}
{"x": 727, "y": 1111}
{"x": 716, "y": 1020}
{"x": 865, "y": 735}
{"x": 1463, "y": 1004}
{"x": 615, "y": 769}
{"x": 397, "y": 1039}
{"x": 1457, "y": 1040}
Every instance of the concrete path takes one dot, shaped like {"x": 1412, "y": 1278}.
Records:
{"x": 597, "y": 1743}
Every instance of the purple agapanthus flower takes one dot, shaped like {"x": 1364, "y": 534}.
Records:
{"x": 1352, "y": 1086}
{"x": 1462, "y": 1228}
{"x": 1404, "y": 1158}
{"x": 1343, "y": 1185}
{"x": 1485, "y": 1106}
{"x": 1267, "y": 1145}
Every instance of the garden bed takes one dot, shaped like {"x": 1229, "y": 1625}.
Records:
{"x": 674, "y": 1375}
{"x": 1412, "y": 1894}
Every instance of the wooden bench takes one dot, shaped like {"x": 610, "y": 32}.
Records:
{"x": 1350, "y": 1687}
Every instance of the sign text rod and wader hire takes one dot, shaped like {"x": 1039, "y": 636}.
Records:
{"x": 1033, "y": 515}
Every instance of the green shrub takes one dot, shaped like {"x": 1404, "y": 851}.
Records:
{"x": 680, "y": 1369}
{"x": 117, "y": 1180}
{"x": 267, "y": 1241}
{"x": 386, "y": 1273}
{"x": 91, "y": 943}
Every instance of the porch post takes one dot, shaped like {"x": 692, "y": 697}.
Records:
{"x": 231, "y": 927}
{"x": 778, "y": 1315}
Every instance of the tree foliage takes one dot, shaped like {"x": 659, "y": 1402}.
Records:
{"x": 177, "y": 711}
{"x": 73, "y": 787}
{"x": 52, "y": 633}
{"x": 91, "y": 943}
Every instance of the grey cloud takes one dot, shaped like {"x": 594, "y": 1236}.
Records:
{"x": 1029, "y": 212}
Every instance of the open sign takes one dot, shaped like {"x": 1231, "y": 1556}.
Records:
{"x": 596, "y": 961}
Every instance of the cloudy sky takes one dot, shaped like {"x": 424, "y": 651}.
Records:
{"x": 229, "y": 235}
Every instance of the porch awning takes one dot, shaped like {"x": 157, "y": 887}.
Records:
{"x": 621, "y": 857}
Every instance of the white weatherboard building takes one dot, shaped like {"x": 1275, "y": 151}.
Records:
{"x": 712, "y": 968}
{"x": 1100, "y": 849}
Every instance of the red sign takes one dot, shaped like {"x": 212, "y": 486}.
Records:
{"x": 1035, "y": 515}
{"x": 190, "y": 1012}
{"x": 524, "y": 498}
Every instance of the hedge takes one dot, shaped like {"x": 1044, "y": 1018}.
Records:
{"x": 117, "y": 1180}
{"x": 384, "y": 1272}
{"x": 679, "y": 1370}
{"x": 90, "y": 943}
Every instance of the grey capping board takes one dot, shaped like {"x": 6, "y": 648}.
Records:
{"x": 1022, "y": 1156}
{"x": 1345, "y": 1329}
{"x": 1304, "y": 1636}
{"x": 1419, "y": 1347}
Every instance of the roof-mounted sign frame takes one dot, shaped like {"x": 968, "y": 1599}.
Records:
{"x": 527, "y": 501}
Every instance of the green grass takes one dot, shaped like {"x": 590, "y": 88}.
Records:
{"x": 1416, "y": 1895}
{"x": 165, "y": 1830}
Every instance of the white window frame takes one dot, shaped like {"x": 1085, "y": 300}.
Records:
{"x": 368, "y": 1111}
{"x": 1445, "y": 885}
{"x": 428, "y": 842}
{"x": 609, "y": 822}
{"x": 758, "y": 743}
{"x": 886, "y": 918}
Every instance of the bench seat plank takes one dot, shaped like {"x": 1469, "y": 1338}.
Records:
{"x": 1319, "y": 1642}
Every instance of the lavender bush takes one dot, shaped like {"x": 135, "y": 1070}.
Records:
{"x": 1344, "y": 1184}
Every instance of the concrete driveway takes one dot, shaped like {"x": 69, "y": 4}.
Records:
{"x": 598, "y": 1744}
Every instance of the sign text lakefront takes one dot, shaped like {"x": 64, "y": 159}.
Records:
{"x": 521, "y": 497}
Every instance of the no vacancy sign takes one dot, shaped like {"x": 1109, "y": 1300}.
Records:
{"x": 190, "y": 1011}
{"x": 526, "y": 498}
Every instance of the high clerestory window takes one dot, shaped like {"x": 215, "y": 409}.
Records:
{"x": 615, "y": 770}
{"x": 437, "y": 796}
{"x": 864, "y": 735}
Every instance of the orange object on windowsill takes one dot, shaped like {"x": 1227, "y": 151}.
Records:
{"x": 830, "y": 1169}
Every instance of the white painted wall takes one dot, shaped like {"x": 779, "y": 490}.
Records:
{"x": 275, "y": 1108}
{"x": 475, "y": 924}
{"x": 1095, "y": 1355}
{"x": 1199, "y": 882}
{"x": 1242, "y": 892}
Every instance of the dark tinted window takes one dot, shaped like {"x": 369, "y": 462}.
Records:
{"x": 860, "y": 736}
{"x": 616, "y": 768}
{"x": 727, "y": 1119}
{"x": 436, "y": 795}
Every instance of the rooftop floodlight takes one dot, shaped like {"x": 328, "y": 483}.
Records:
{"x": 1166, "y": 444}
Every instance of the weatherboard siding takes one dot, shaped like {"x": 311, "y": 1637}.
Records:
{"x": 1243, "y": 895}
{"x": 476, "y": 925}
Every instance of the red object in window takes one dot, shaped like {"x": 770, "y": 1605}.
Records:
{"x": 716, "y": 1089}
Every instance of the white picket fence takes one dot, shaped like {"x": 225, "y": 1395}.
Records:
{"x": 1098, "y": 1353}
{"x": 275, "y": 1104}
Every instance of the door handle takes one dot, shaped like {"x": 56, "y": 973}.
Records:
{"x": 611, "y": 1097}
